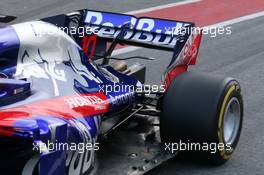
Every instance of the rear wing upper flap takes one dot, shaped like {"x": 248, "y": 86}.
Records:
{"x": 140, "y": 31}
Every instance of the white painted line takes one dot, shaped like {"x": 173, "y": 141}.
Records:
{"x": 221, "y": 24}
{"x": 162, "y": 7}
{"x": 238, "y": 20}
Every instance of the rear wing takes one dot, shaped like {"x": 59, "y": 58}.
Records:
{"x": 182, "y": 38}
{"x": 142, "y": 31}
{"x": 105, "y": 30}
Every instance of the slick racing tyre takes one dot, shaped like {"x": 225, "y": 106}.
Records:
{"x": 202, "y": 116}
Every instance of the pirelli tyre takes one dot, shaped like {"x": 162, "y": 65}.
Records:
{"x": 202, "y": 117}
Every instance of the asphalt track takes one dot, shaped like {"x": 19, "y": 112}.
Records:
{"x": 240, "y": 55}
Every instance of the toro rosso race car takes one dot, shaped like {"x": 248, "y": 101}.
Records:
{"x": 68, "y": 106}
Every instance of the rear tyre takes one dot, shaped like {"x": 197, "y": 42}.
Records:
{"x": 202, "y": 115}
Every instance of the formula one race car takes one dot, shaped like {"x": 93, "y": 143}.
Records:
{"x": 67, "y": 108}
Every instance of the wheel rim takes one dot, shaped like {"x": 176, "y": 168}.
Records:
{"x": 232, "y": 118}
